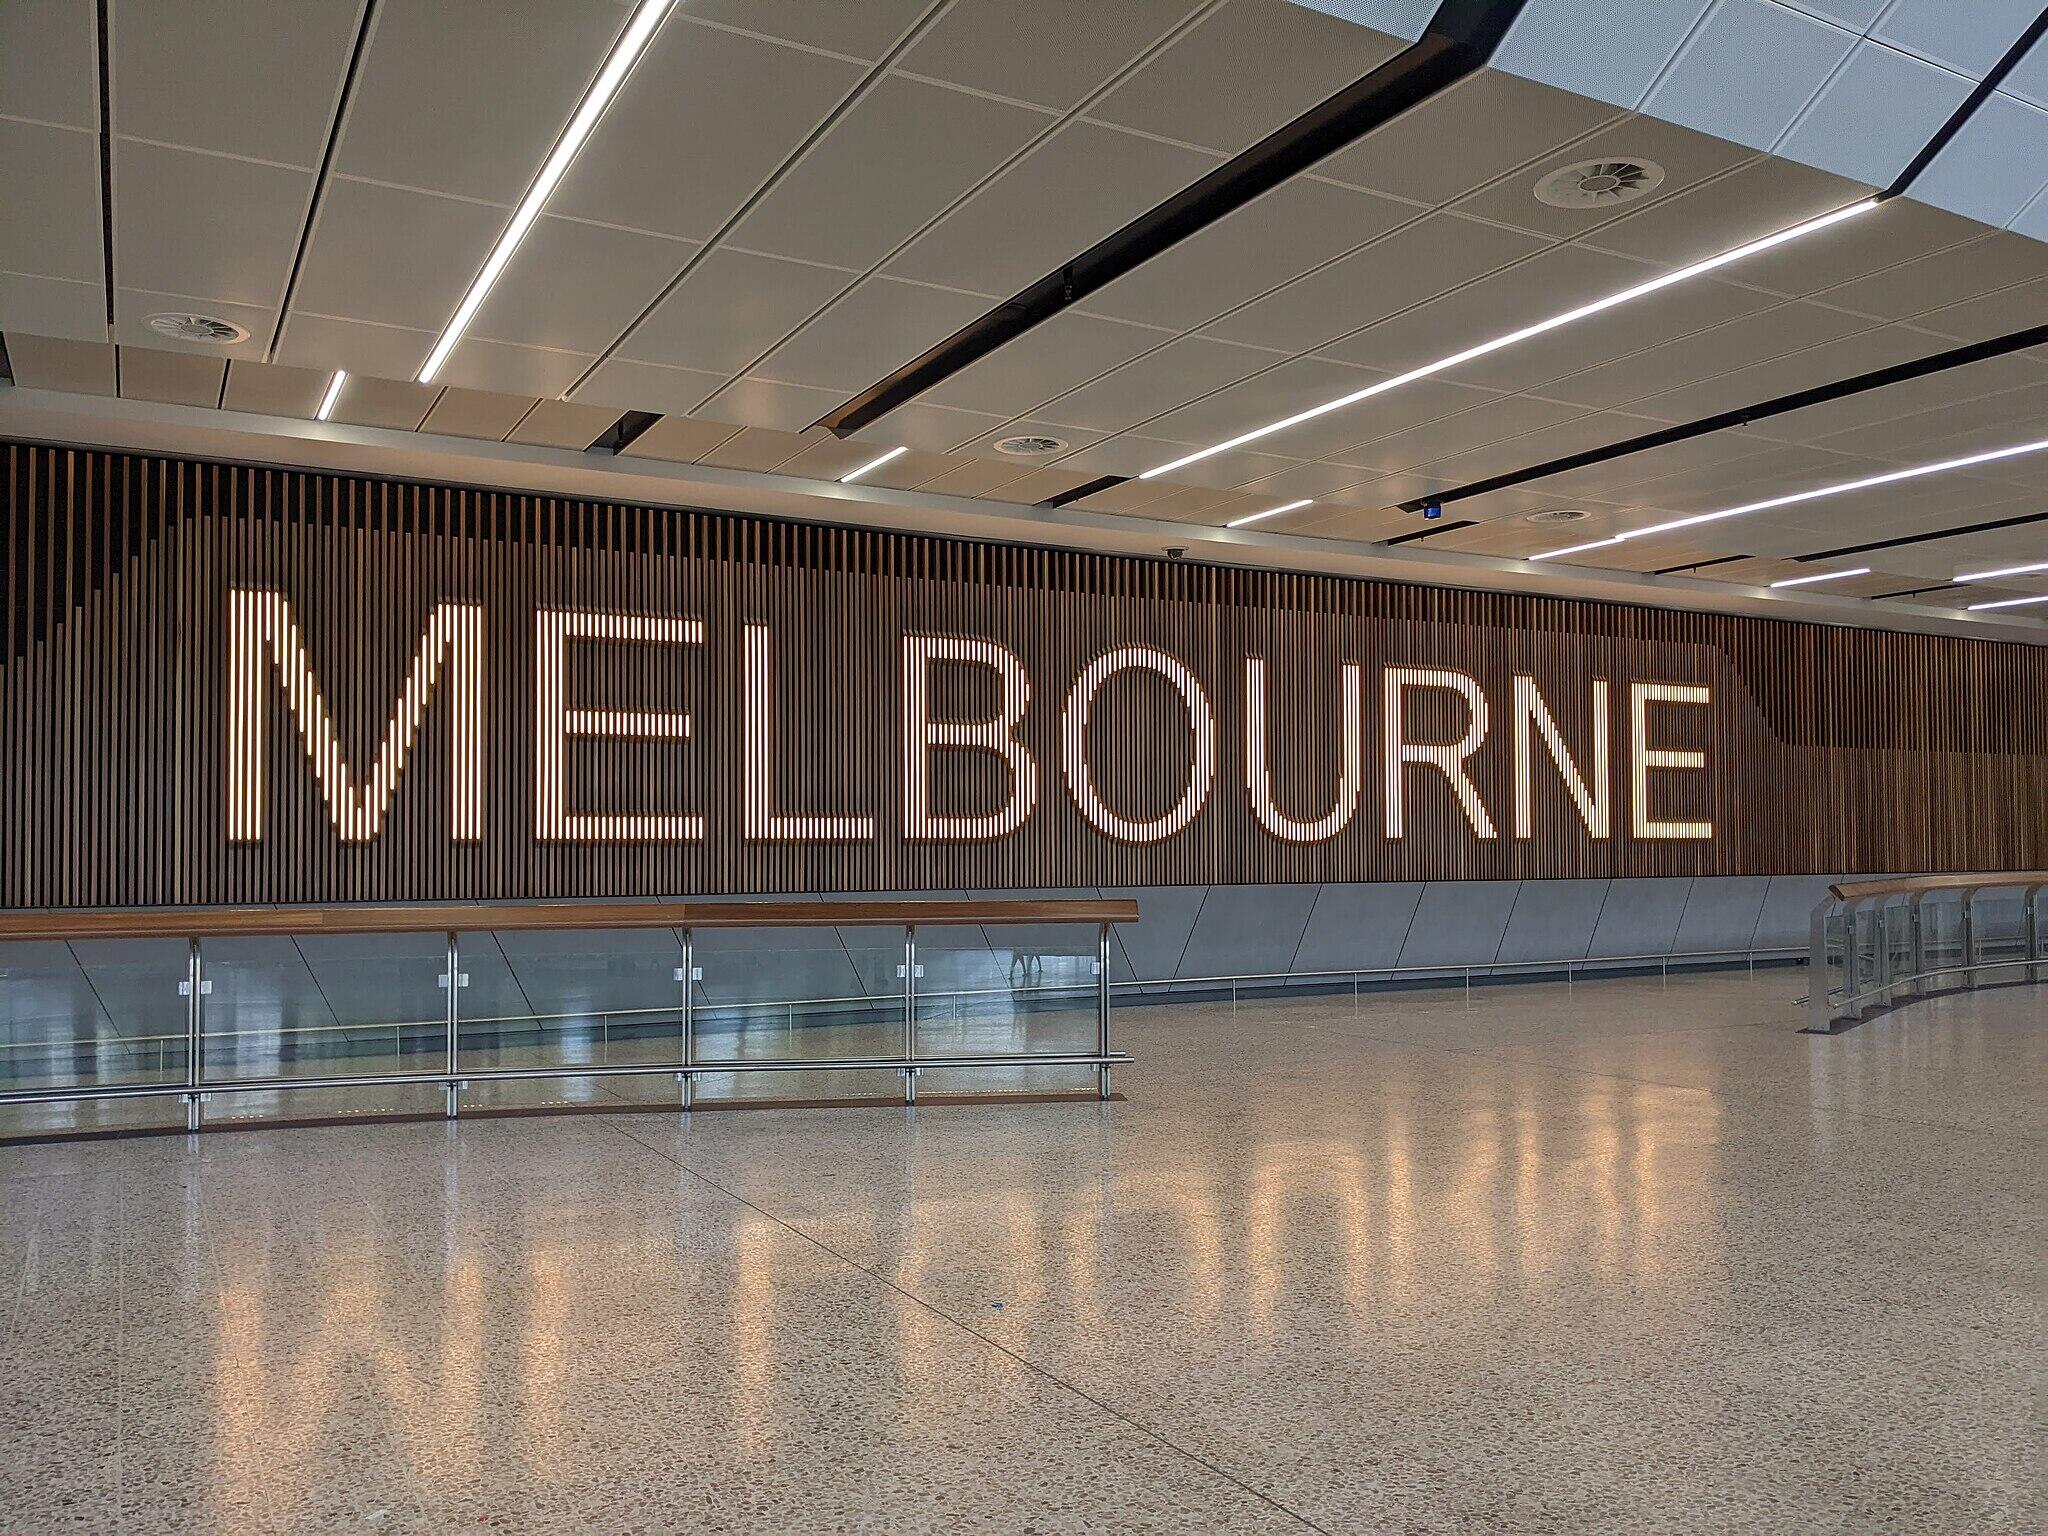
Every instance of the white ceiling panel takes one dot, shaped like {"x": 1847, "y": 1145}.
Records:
{"x": 866, "y": 30}
{"x": 49, "y": 62}
{"x": 1484, "y": 127}
{"x": 1053, "y": 57}
{"x": 1748, "y": 71}
{"x": 1952, "y": 391}
{"x": 1125, "y": 455}
{"x": 285, "y": 58}
{"x": 576, "y": 286}
{"x": 133, "y": 308}
{"x": 730, "y": 309}
{"x": 402, "y": 405}
{"x": 1874, "y": 114}
{"x": 1050, "y": 359}
{"x": 976, "y": 477}
{"x": 74, "y": 367}
{"x": 759, "y": 448}
{"x": 1159, "y": 381}
{"x": 930, "y": 428}
{"x": 1298, "y": 225}
{"x": 56, "y": 172}
{"x": 1707, "y": 354}
{"x": 1862, "y": 352}
{"x": 756, "y": 402}
{"x": 678, "y": 439}
{"x": 707, "y": 117}
{"x": 1411, "y": 265}
{"x": 390, "y": 255}
{"x": 1295, "y": 385}
{"x": 171, "y": 378}
{"x": 1993, "y": 314}
{"x": 563, "y": 424}
{"x": 1425, "y": 444}
{"x": 1242, "y": 72}
{"x": 500, "y": 365}
{"x": 1334, "y": 435}
{"x": 476, "y": 413}
{"x": 1538, "y": 447}
{"x": 269, "y": 389}
{"x": 1760, "y": 199}
{"x": 1025, "y": 426}
{"x": 1992, "y": 261}
{"x": 870, "y": 333}
{"x": 468, "y": 96}
{"x": 892, "y": 163}
{"x": 53, "y": 306}
{"x": 623, "y": 384}
{"x": 1082, "y": 184}
{"x": 1896, "y": 232}
{"x": 171, "y": 207}
{"x": 1967, "y": 38}
{"x": 362, "y": 347}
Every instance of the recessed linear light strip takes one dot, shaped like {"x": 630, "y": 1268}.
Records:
{"x": 872, "y": 464}
{"x": 1893, "y": 477}
{"x": 1807, "y": 581}
{"x": 2005, "y": 570}
{"x": 1260, "y": 517}
{"x": 333, "y": 394}
{"x": 2009, "y": 602}
{"x": 1541, "y": 327}
{"x": 632, "y": 43}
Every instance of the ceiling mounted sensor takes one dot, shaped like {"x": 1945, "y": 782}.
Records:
{"x": 1030, "y": 446}
{"x": 206, "y": 330}
{"x": 1599, "y": 183}
{"x": 1558, "y": 515}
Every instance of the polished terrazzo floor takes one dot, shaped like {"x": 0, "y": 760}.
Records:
{"x": 1624, "y": 1256}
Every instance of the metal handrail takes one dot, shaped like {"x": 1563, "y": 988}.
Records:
{"x": 1858, "y": 914}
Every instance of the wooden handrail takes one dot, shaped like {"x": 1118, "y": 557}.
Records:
{"x": 1859, "y": 890}
{"x": 242, "y": 922}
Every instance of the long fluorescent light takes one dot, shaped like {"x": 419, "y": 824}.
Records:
{"x": 1260, "y": 517}
{"x": 1843, "y": 488}
{"x": 1541, "y": 327}
{"x": 2006, "y": 570}
{"x": 872, "y": 464}
{"x": 1807, "y": 581}
{"x": 632, "y": 43}
{"x": 2009, "y": 602}
{"x": 333, "y": 394}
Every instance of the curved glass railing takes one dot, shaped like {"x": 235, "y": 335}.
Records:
{"x": 1878, "y": 944}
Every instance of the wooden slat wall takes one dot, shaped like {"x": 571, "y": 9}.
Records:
{"x": 1833, "y": 750}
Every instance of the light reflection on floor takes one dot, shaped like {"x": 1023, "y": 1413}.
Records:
{"x": 1612, "y": 1257}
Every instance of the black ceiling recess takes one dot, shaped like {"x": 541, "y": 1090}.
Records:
{"x": 1460, "y": 38}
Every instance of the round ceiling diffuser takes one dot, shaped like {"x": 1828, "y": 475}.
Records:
{"x": 1599, "y": 183}
{"x": 1560, "y": 515}
{"x": 207, "y": 330}
{"x": 1025, "y": 447}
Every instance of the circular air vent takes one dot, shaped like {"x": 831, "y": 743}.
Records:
{"x": 1560, "y": 515}
{"x": 1025, "y": 447}
{"x": 1599, "y": 183}
{"x": 207, "y": 330}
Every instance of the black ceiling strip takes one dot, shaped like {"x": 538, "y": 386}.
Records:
{"x": 6, "y": 363}
{"x": 1939, "y": 586}
{"x": 348, "y": 86}
{"x": 106, "y": 167}
{"x": 1971, "y": 103}
{"x": 1926, "y": 538}
{"x": 1898, "y": 373}
{"x": 1080, "y": 491}
{"x": 1461, "y": 37}
{"x": 1429, "y": 533}
{"x": 1699, "y": 565}
{"x": 621, "y": 433}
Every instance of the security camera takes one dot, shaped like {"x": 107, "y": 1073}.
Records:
{"x": 1176, "y": 552}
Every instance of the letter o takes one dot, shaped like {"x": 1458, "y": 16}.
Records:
{"x": 1074, "y": 744}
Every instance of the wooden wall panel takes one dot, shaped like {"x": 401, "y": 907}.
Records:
{"x": 1830, "y": 750}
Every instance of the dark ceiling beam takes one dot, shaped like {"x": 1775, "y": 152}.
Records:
{"x": 1460, "y": 38}
{"x": 1970, "y": 104}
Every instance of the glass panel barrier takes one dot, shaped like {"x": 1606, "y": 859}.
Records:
{"x": 324, "y": 1005}
{"x": 92, "y": 1012}
{"x": 1007, "y": 989}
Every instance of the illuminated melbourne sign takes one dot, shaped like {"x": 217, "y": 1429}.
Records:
{"x": 272, "y": 681}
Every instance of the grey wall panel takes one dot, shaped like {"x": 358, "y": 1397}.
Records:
{"x": 1721, "y": 913}
{"x": 1788, "y": 909}
{"x": 1640, "y": 917}
{"x": 1357, "y": 925}
{"x": 1248, "y": 930}
{"x": 1039, "y": 938}
{"x": 1460, "y": 922}
{"x": 1553, "y": 919}
{"x": 1150, "y": 949}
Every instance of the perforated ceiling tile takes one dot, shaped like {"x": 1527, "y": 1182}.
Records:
{"x": 49, "y": 62}
{"x": 866, "y": 30}
{"x": 49, "y": 362}
{"x": 355, "y": 268}
{"x": 1872, "y": 118}
{"x": 1156, "y": 382}
{"x": 53, "y": 306}
{"x": 171, "y": 378}
{"x": 1969, "y": 38}
{"x": 500, "y": 365}
{"x": 366, "y": 402}
{"x": 1048, "y": 360}
{"x": 730, "y": 309}
{"x": 1994, "y": 166}
{"x": 678, "y": 439}
{"x": 1550, "y": 42}
{"x": 869, "y": 333}
{"x": 576, "y": 286}
{"x": 310, "y": 340}
{"x": 1053, "y": 54}
{"x": 627, "y": 385}
{"x": 1404, "y": 19}
{"x": 271, "y": 389}
{"x": 562, "y": 424}
{"x": 1748, "y": 71}
{"x": 476, "y": 413}
{"x": 174, "y": 206}
{"x": 2029, "y": 77}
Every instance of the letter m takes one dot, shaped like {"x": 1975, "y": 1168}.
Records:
{"x": 262, "y": 634}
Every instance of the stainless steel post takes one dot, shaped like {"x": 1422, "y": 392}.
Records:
{"x": 1917, "y": 926}
{"x": 1969, "y": 922}
{"x": 195, "y": 1035}
{"x": 910, "y": 1013}
{"x": 1102, "y": 1007}
{"x": 2032, "y": 895}
{"x": 688, "y": 975}
{"x": 451, "y": 1094}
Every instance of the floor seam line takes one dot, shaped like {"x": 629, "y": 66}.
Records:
{"x": 1025, "y": 1361}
